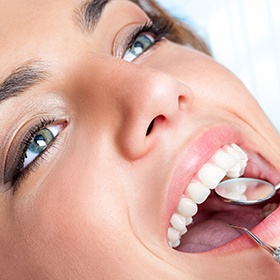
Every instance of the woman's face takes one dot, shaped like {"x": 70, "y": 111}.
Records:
{"x": 100, "y": 141}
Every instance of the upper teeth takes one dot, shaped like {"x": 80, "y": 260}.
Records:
{"x": 229, "y": 161}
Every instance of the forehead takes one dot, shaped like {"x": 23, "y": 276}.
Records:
{"x": 27, "y": 15}
{"x": 24, "y": 22}
{"x": 27, "y": 12}
{"x": 32, "y": 28}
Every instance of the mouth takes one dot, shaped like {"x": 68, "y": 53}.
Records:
{"x": 199, "y": 223}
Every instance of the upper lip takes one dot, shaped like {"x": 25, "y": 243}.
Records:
{"x": 198, "y": 153}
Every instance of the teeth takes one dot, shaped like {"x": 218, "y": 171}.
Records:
{"x": 173, "y": 235}
{"x": 178, "y": 222}
{"x": 187, "y": 207}
{"x": 235, "y": 152}
{"x": 229, "y": 161}
{"x": 189, "y": 220}
{"x": 211, "y": 175}
{"x": 183, "y": 231}
{"x": 236, "y": 171}
{"x": 236, "y": 196}
{"x": 239, "y": 187}
{"x": 237, "y": 148}
{"x": 198, "y": 192}
{"x": 174, "y": 244}
{"x": 224, "y": 160}
{"x": 240, "y": 156}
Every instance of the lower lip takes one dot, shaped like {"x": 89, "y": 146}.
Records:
{"x": 268, "y": 230}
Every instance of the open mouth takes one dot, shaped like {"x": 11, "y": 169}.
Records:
{"x": 200, "y": 221}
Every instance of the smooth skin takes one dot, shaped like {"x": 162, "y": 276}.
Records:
{"x": 97, "y": 204}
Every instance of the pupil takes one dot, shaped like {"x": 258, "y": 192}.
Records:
{"x": 138, "y": 45}
{"x": 41, "y": 141}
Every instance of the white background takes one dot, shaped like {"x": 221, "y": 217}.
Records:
{"x": 244, "y": 35}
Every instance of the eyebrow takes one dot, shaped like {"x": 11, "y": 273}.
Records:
{"x": 22, "y": 79}
{"x": 33, "y": 72}
{"x": 89, "y": 13}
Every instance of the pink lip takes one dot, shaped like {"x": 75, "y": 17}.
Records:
{"x": 191, "y": 160}
{"x": 272, "y": 222}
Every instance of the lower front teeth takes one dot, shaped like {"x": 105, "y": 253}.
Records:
{"x": 229, "y": 161}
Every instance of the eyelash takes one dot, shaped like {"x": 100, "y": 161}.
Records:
{"x": 21, "y": 172}
{"x": 160, "y": 27}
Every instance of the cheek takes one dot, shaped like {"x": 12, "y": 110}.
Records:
{"x": 73, "y": 219}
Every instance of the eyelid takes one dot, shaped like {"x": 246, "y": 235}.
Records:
{"x": 18, "y": 145}
{"x": 141, "y": 29}
{"x": 157, "y": 29}
{"x": 123, "y": 39}
{"x": 146, "y": 40}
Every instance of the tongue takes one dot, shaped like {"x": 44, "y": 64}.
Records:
{"x": 210, "y": 229}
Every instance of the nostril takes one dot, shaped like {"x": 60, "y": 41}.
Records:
{"x": 150, "y": 127}
{"x": 157, "y": 119}
{"x": 182, "y": 102}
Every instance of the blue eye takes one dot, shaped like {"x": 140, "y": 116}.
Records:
{"x": 146, "y": 36}
{"x": 29, "y": 149}
{"x": 40, "y": 142}
{"x": 139, "y": 46}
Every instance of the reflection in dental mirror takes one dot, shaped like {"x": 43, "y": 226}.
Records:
{"x": 245, "y": 191}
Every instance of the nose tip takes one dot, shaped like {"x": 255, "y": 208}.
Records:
{"x": 151, "y": 111}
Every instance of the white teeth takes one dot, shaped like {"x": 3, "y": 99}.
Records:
{"x": 183, "y": 232}
{"x": 241, "y": 157}
{"x": 189, "y": 220}
{"x": 174, "y": 244}
{"x": 197, "y": 192}
{"x": 237, "y": 148}
{"x": 187, "y": 207}
{"x": 211, "y": 175}
{"x": 239, "y": 187}
{"x": 178, "y": 222}
{"x": 233, "y": 152}
{"x": 243, "y": 162}
{"x": 172, "y": 234}
{"x": 236, "y": 196}
{"x": 229, "y": 161}
{"x": 223, "y": 160}
{"x": 235, "y": 172}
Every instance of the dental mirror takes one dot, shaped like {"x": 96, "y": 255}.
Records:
{"x": 245, "y": 191}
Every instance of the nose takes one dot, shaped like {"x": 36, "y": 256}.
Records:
{"x": 151, "y": 104}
